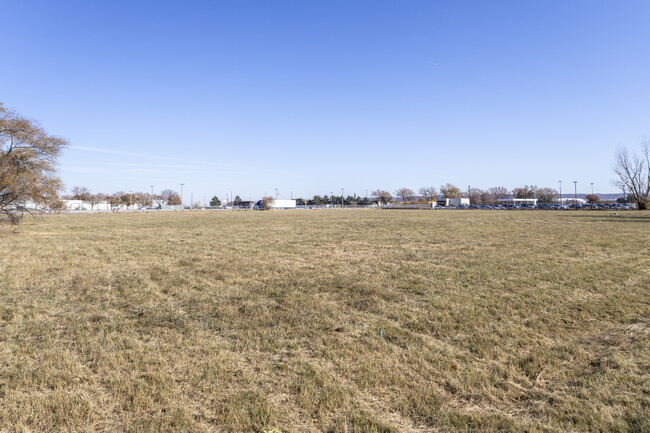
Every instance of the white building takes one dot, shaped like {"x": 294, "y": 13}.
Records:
{"x": 455, "y": 202}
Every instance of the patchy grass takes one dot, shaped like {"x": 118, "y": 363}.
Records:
{"x": 271, "y": 321}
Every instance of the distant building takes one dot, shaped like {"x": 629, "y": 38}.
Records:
{"x": 453, "y": 202}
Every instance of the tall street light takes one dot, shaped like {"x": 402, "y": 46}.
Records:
{"x": 469, "y": 193}
{"x": 331, "y": 195}
{"x": 277, "y": 195}
{"x": 152, "y": 196}
{"x": 341, "y": 197}
{"x": 575, "y": 192}
{"x": 560, "y": 191}
{"x": 182, "y": 196}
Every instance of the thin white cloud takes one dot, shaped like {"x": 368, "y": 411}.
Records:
{"x": 135, "y": 164}
{"x": 143, "y": 155}
{"x": 134, "y": 168}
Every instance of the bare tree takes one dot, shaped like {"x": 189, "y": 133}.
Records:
{"x": 267, "y": 202}
{"x": 527, "y": 191}
{"x": 80, "y": 193}
{"x": 487, "y": 198}
{"x": 170, "y": 197}
{"x": 406, "y": 194}
{"x": 429, "y": 193}
{"x": 546, "y": 195}
{"x": 498, "y": 192}
{"x": 450, "y": 191}
{"x": 95, "y": 199}
{"x": 382, "y": 196}
{"x": 27, "y": 165}
{"x": 633, "y": 171}
{"x": 142, "y": 199}
{"x": 115, "y": 201}
{"x": 476, "y": 196}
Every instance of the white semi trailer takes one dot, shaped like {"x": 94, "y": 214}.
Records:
{"x": 283, "y": 204}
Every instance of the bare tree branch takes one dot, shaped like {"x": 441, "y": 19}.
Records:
{"x": 633, "y": 172}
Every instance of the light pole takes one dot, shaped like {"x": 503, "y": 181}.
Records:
{"x": 152, "y": 196}
{"x": 277, "y": 195}
{"x": 131, "y": 198}
{"x": 182, "y": 195}
{"x": 331, "y": 195}
{"x": 469, "y": 193}
{"x": 575, "y": 193}
{"x": 592, "y": 194}
{"x": 560, "y": 191}
{"x": 341, "y": 198}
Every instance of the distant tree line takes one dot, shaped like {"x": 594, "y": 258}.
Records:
{"x": 126, "y": 199}
{"x": 429, "y": 194}
{"x": 424, "y": 195}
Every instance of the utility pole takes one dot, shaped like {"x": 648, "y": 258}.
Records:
{"x": 342, "y": 201}
{"x": 332, "y": 195}
{"x": 560, "y": 191}
{"x": 131, "y": 198}
{"x": 575, "y": 192}
{"x": 182, "y": 196}
{"x": 152, "y": 196}
{"x": 469, "y": 193}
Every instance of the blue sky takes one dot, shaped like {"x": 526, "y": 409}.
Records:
{"x": 311, "y": 97}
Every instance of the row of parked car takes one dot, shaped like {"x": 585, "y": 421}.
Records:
{"x": 551, "y": 206}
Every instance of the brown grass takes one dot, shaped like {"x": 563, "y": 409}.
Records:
{"x": 255, "y": 321}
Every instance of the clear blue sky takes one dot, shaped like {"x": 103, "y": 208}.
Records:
{"x": 310, "y": 97}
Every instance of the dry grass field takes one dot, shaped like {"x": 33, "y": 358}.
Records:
{"x": 272, "y": 321}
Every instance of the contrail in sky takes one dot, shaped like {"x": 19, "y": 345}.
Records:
{"x": 143, "y": 155}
